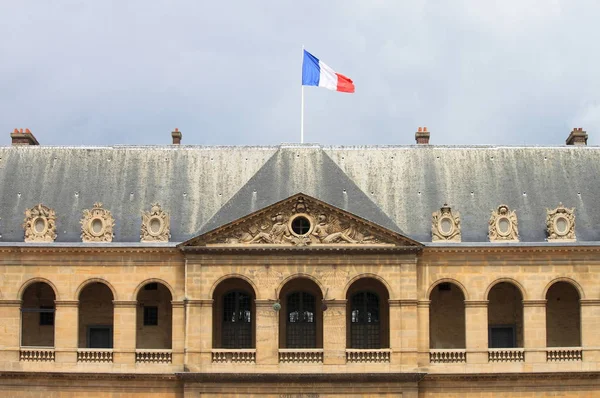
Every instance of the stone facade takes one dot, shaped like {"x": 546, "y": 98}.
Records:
{"x": 300, "y": 298}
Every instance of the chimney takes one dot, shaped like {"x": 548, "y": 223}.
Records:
{"x": 577, "y": 137}
{"x": 176, "y": 134}
{"x": 20, "y": 137}
{"x": 422, "y": 136}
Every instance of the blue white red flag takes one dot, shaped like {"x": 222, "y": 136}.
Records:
{"x": 316, "y": 73}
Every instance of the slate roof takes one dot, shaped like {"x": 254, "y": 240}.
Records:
{"x": 397, "y": 187}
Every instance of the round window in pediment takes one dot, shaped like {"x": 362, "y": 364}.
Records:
{"x": 96, "y": 226}
{"x": 503, "y": 226}
{"x": 561, "y": 225}
{"x": 40, "y": 225}
{"x": 301, "y": 225}
{"x": 446, "y": 226}
{"x": 155, "y": 226}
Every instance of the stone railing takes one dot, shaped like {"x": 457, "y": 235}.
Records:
{"x": 94, "y": 355}
{"x": 36, "y": 354}
{"x": 556, "y": 354}
{"x": 153, "y": 356}
{"x": 448, "y": 356}
{"x": 301, "y": 355}
{"x": 223, "y": 355}
{"x": 506, "y": 355}
{"x": 368, "y": 356}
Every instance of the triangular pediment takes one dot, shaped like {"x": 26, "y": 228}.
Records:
{"x": 301, "y": 220}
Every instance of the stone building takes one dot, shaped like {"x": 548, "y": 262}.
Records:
{"x": 300, "y": 270}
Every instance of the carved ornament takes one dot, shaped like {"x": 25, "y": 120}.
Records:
{"x": 445, "y": 225}
{"x": 301, "y": 221}
{"x": 560, "y": 223}
{"x": 97, "y": 225}
{"x": 40, "y": 224}
{"x": 155, "y": 225}
{"x": 503, "y": 226}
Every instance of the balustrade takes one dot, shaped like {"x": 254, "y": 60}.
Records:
{"x": 564, "y": 354}
{"x": 368, "y": 356}
{"x": 153, "y": 356}
{"x": 447, "y": 356}
{"x": 234, "y": 356}
{"x": 36, "y": 354}
{"x": 95, "y": 355}
{"x": 506, "y": 355}
{"x": 301, "y": 355}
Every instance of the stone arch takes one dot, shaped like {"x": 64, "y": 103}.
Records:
{"x": 367, "y": 275}
{"x": 152, "y": 280}
{"x": 214, "y": 286}
{"x": 235, "y": 297}
{"x": 367, "y": 313}
{"x": 512, "y": 281}
{"x": 565, "y": 279}
{"x": 300, "y": 276}
{"x": 95, "y": 280}
{"x": 31, "y": 281}
{"x": 448, "y": 280}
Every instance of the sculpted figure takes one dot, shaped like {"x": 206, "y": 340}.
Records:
{"x": 278, "y": 233}
{"x": 326, "y": 232}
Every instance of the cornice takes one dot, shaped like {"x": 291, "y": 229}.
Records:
{"x": 178, "y": 304}
{"x": 200, "y": 303}
{"x": 404, "y": 302}
{"x": 523, "y": 247}
{"x": 488, "y": 377}
{"x": 301, "y": 377}
{"x": 90, "y": 376}
{"x": 10, "y": 303}
{"x": 301, "y": 249}
{"x": 26, "y": 248}
{"x": 589, "y": 302}
{"x": 476, "y": 303}
{"x": 125, "y": 303}
{"x": 534, "y": 303}
{"x": 335, "y": 303}
{"x": 66, "y": 303}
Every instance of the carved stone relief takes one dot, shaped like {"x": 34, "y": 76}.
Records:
{"x": 503, "y": 225}
{"x": 560, "y": 223}
{"x": 155, "y": 225}
{"x": 265, "y": 277}
{"x": 303, "y": 223}
{"x": 333, "y": 276}
{"x": 445, "y": 225}
{"x": 97, "y": 225}
{"x": 40, "y": 224}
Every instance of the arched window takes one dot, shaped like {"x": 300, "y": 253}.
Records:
{"x": 237, "y": 320}
{"x": 96, "y": 315}
{"x": 37, "y": 316}
{"x": 301, "y": 321}
{"x": 563, "y": 317}
{"x": 505, "y": 316}
{"x": 154, "y": 317}
{"x": 447, "y": 317}
{"x": 365, "y": 321}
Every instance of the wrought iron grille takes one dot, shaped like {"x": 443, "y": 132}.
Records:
{"x": 237, "y": 320}
{"x": 301, "y": 325}
{"x": 365, "y": 325}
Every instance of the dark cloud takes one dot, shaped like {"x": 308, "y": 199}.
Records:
{"x": 103, "y": 73}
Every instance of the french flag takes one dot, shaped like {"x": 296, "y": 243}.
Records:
{"x": 316, "y": 73}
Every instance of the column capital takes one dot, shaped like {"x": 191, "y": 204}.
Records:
{"x": 178, "y": 304}
{"x": 66, "y": 303}
{"x": 124, "y": 303}
{"x": 590, "y": 302}
{"x": 10, "y": 303}
{"x": 200, "y": 303}
{"x": 476, "y": 303}
{"x": 404, "y": 302}
{"x": 335, "y": 303}
{"x": 534, "y": 303}
{"x": 264, "y": 303}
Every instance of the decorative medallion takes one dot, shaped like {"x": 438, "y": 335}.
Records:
{"x": 560, "y": 223}
{"x": 97, "y": 225}
{"x": 40, "y": 224}
{"x": 504, "y": 225}
{"x": 155, "y": 225}
{"x": 299, "y": 221}
{"x": 445, "y": 225}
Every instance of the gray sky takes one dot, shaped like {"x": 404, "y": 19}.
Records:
{"x": 228, "y": 72}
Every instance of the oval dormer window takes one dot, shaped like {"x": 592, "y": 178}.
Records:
{"x": 301, "y": 225}
{"x": 40, "y": 226}
{"x": 96, "y": 226}
{"x": 503, "y": 226}
{"x": 561, "y": 225}
{"x": 446, "y": 226}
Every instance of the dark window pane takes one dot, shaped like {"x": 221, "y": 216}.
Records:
{"x": 502, "y": 337}
{"x": 150, "y": 316}
{"x": 237, "y": 320}
{"x": 301, "y": 323}
{"x": 364, "y": 321}
{"x": 47, "y": 316}
{"x": 151, "y": 286}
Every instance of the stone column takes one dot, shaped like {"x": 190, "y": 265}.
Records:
{"x": 178, "y": 331}
{"x": 66, "y": 324}
{"x": 534, "y": 330}
{"x": 199, "y": 333}
{"x": 423, "y": 332}
{"x": 590, "y": 325}
{"x": 267, "y": 333}
{"x": 334, "y": 332}
{"x": 10, "y": 327}
{"x": 476, "y": 329}
{"x": 124, "y": 330}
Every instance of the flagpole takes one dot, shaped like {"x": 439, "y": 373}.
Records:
{"x": 302, "y": 106}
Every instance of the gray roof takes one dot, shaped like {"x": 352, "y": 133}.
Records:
{"x": 397, "y": 187}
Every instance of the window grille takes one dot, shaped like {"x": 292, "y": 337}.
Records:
{"x": 237, "y": 320}
{"x": 365, "y": 325}
{"x": 301, "y": 326}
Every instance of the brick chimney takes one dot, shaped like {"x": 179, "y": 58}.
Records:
{"x": 20, "y": 137}
{"x": 422, "y": 136}
{"x": 176, "y": 134}
{"x": 577, "y": 137}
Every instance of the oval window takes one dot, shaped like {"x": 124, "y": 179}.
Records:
{"x": 39, "y": 225}
{"x": 155, "y": 225}
{"x": 300, "y": 225}
{"x": 561, "y": 225}
{"x": 503, "y": 226}
{"x": 97, "y": 226}
{"x": 446, "y": 226}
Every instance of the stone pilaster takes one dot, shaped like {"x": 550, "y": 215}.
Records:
{"x": 178, "y": 332}
{"x": 334, "y": 332}
{"x": 534, "y": 330}
{"x": 199, "y": 332}
{"x": 423, "y": 332}
{"x": 267, "y": 333}
{"x": 476, "y": 328}
{"x": 590, "y": 325}
{"x": 124, "y": 331}
{"x": 66, "y": 319}
{"x": 10, "y": 313}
